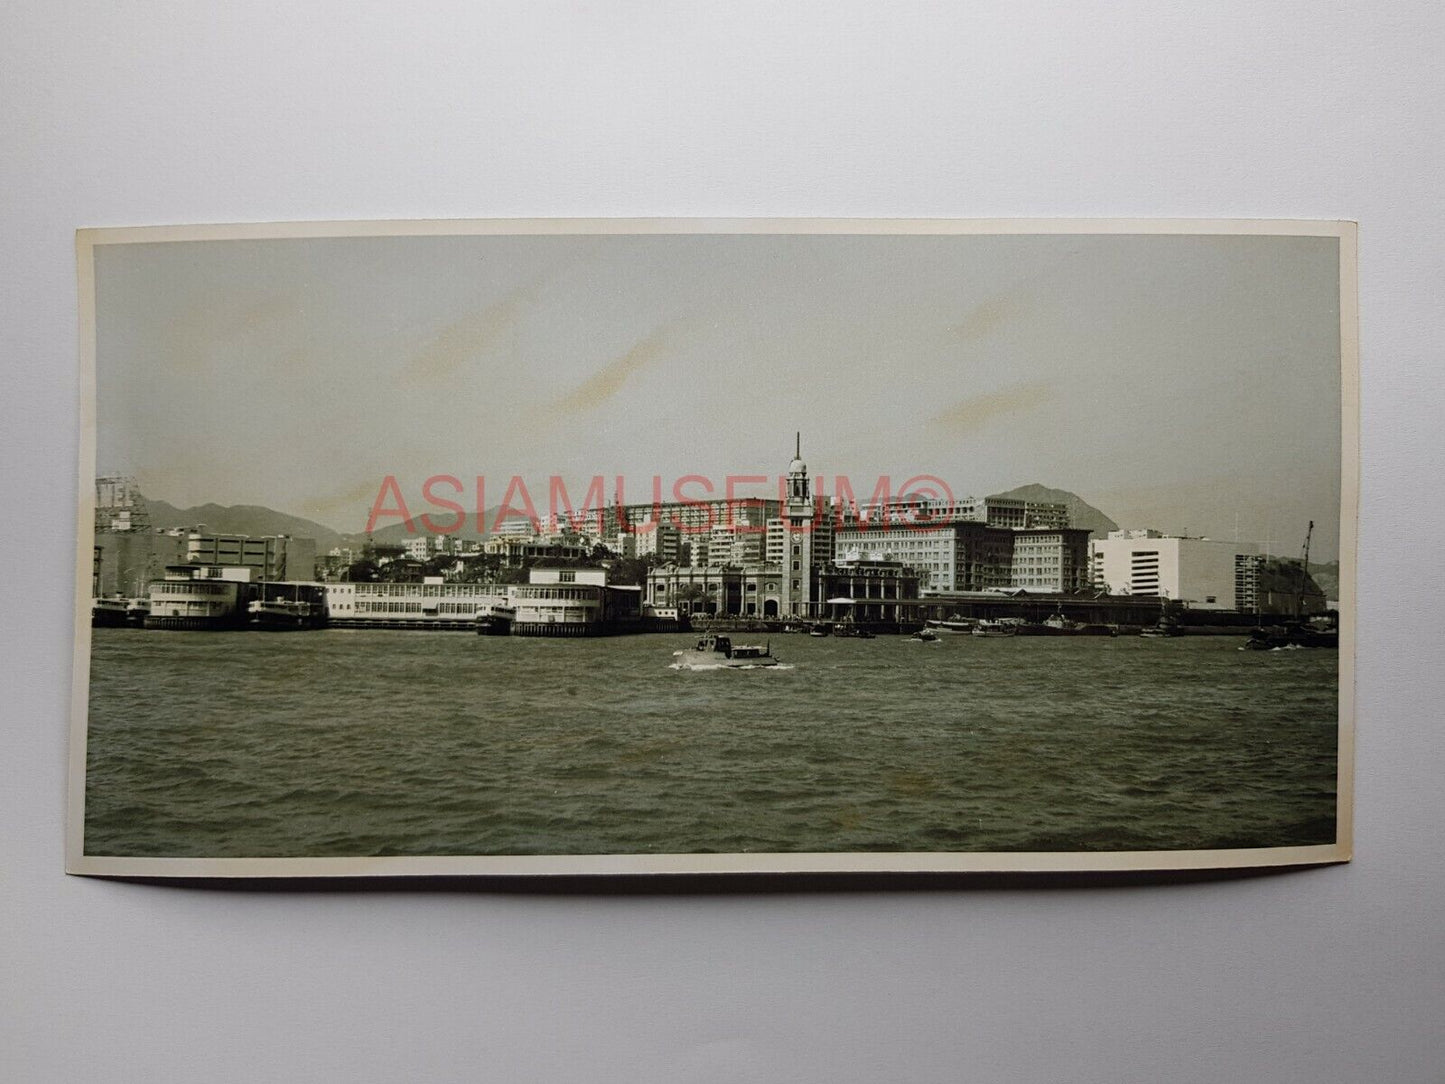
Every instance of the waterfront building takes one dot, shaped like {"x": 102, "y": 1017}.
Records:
{"x": 869, "y": 590}
{"x": 430, "y": 604}
{"x": 875, "y": 590}
{"x": 194, "y": 596}
{"x": 715, "y": 590}
{"x": 1200, "y": 572}
{"x": 574, "y": 602}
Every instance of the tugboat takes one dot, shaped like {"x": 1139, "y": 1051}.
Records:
{"x": 1059, "y": 625}
{"x": 720, "y": 653}
{"x": 996, "y": 628}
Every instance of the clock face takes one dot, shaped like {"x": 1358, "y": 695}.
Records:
{"x": 797, "y": 536}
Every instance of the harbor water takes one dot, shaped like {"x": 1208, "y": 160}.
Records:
{"x": 360, "y": 742}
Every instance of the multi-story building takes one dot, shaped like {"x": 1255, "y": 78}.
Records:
{"x": 958, "y": 556}
{"x": 1247, "y": 588}
{"x": 271, "y": 557}
{"x": 514, "y": 550}
{"x": 660, "y": 541}
{"x": 1051, "y": 559}
{"x": 1006, "y": 512}
{"x": 692, "y": 517}
{"x": 128, "y": 560}
{"x": 1200, "y": 572}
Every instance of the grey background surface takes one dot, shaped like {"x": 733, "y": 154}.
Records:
{"x": 161, "y": 114}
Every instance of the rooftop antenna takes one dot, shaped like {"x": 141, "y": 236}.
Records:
{"x": 798, "y": 448}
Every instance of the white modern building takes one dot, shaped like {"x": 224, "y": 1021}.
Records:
{"x": 660, "y": 541}
{"x": 1200, "y": 572}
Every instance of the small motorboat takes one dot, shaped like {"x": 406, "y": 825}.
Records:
{"x": 720, "y": 653}
{"x": 924, "y": 636}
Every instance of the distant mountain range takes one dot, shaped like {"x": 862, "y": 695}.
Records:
{"x": 242, "y": 519}
{"x": 1081, "y": 513}
{"x": 256, "y": 519}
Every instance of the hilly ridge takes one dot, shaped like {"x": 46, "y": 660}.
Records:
{"x": 1081, "y": 513}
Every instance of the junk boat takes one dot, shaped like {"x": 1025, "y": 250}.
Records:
{"x": 495, "y": 620}
{"x": 720, "y": 653}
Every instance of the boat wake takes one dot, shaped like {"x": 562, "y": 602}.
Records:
{"x": 724, "y": 666}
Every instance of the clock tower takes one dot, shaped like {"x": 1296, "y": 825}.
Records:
{"x": 807, "y": 541}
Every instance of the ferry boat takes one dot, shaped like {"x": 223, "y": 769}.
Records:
{"x": 106, "y": 613}
{"x": 282, "y": 613}
{"x": 136, "y": 612}
{"x": 720, "y": 653}
{"x": 495, "y": 619}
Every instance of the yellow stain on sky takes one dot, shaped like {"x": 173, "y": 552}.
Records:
{"x": 972, "y": 414}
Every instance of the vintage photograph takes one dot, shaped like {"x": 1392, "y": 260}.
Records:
{"x": 614, "y": 546}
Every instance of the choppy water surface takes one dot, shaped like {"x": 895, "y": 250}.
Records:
{"x": 379, "y": 742}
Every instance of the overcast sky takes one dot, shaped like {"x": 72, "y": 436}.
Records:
{"x": 1184, "y": 383}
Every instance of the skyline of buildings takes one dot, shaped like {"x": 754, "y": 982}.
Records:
{"x": 781, "y": 546}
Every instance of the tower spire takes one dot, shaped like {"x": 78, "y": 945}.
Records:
{"x": 798, "y": 447}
